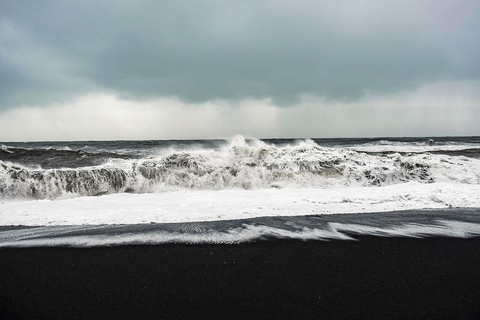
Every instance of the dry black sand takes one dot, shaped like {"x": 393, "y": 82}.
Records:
{"x": 375, "y": 277}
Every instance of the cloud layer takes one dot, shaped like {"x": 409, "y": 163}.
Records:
{"x": 241, "y": 49}
{"x": 228, "y": 54}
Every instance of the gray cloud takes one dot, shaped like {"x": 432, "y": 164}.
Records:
{"x": 204, "y": 50}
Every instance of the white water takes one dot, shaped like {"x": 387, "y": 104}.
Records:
{"x": 238, "y": 165}
{"x": 239, "y": 180}
{"x": 211, "y": 205}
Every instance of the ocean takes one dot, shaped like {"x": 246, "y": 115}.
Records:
{"x": 96, "y": 193}
{"x": 377, "y": 228}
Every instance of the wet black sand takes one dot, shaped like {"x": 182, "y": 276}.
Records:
{"x": 372, "y": 278}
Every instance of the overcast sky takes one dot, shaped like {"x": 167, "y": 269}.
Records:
{"x": 96, "y": 70}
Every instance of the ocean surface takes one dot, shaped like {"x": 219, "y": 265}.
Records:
{"x": 97, "y": 193}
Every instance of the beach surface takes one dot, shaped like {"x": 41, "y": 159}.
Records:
{"x": 372, "y": 277}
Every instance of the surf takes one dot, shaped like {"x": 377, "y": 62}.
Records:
{"x": 240, "y": 164}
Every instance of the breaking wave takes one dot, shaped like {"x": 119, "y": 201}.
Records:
{"x": 240, "y": 164}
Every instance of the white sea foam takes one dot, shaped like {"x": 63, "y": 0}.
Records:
{"x": 211, "y": 205}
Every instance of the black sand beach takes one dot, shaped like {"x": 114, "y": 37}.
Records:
{"x": 372, "y": 278}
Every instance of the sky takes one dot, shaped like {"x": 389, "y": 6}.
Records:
{"x": 155, "y": 69}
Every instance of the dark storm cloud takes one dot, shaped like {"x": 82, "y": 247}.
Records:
{"x": 204, "y": 50}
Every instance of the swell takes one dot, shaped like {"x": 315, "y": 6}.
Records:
{"x": 54, "y": 158}
{"x": 470, "y": 152}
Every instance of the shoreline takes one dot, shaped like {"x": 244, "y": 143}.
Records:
{"x": 373, "y": 277}
{"x": 426, "y": 223}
